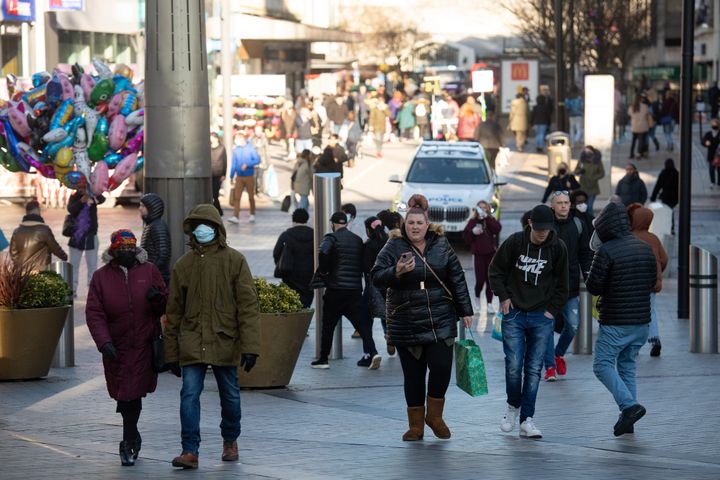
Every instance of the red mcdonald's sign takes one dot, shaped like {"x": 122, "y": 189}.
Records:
{"x": 520, "y": 71}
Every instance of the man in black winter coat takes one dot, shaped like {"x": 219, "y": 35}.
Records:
{"x": 631, "y": 188}
{"x": 156, "y": 234}
{"x": 340, "y": 264}
{"x": 623, "y": 275}
{"x": 293, "y": 256}
{"x": 529, "y": 274}
{"x": 576, "y": 237}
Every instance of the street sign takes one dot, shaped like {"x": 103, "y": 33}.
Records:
{"x": 482, "y": 81}
{"x": 516, "y": 75}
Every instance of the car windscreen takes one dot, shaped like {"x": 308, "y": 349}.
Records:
{"x": 456, "y": 171}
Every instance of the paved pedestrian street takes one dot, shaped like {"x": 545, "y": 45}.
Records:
{"x": 347, "y": 422}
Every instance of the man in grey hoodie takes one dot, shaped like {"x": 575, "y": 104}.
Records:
{"x": 529, "y": 274}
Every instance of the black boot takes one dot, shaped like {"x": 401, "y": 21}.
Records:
{"x": 135, "y": 446}
{"x": 126, "y": 454}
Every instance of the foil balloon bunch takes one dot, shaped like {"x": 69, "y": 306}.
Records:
{"x": 84, "y": 130}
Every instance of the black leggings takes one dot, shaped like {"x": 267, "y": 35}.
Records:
{"x": 435, "y": 357}
{"x": 130, "y": 411}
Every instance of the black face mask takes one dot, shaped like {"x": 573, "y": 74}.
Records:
{"x": 562, "y": 172}
{"x": 125, "y": 258}
{"x": 716, "y": 128}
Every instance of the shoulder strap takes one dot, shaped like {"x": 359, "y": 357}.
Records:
{"x": 442, "y": 284}
{"x": 578, "y": 224}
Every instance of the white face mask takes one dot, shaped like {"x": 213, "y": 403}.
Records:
{"x": 581, "y": 207}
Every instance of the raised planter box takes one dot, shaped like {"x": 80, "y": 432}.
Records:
{"x": 28, "y": 338}
{"x": 281, "y": 339}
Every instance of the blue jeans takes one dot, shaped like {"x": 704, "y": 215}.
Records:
{"x": 301, "y": 145}
{"x": 571, "y": 313}
{"x": 193, "y": 378}
{"x": 668, "y": 128}
{"x": 303, "y": 203}
{"x": 540, "y": 131}
{"x": 654, "y": 328}
{"x": 525, "y": 335}
{"x": 616, "y": 350}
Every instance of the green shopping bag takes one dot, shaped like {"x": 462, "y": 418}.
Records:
{"x": 470, "y": 368}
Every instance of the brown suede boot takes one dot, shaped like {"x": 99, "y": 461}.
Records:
{"x": 416, "y": 424}
{"x": 434, "y": 419}
{"x": 230, "y": 452}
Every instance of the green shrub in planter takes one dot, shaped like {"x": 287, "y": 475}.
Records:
{"x": 43, "y": 290}
{"x": 277, "y": 298}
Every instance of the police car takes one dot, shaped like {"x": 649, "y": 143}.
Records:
{"x": 453, "y": 176}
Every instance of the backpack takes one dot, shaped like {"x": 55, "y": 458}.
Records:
{"x": 579, "y": 225}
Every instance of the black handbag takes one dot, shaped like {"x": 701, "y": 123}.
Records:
{"x": 68, "y": 226}
{"x": 285, "y": 205}
{"x": 285, "y": 263}
{"x": 318, "y": 280}
{"x": 158, "y": 351}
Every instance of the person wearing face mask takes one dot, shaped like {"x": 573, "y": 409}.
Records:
{"x": 213, "y": 321}
{"x": 711, "y": 141}
{"x": 571, "y": 230}
{"x": 481, "y": 233}
{"x": 426, "y": 296}
{"x": 591, "y": 170}
{"x": 340, "y": 264}
{"x": 562, "y": 180}
{"x": 529, "y": 274}
{"x": 631, "y": 188}
{"x": 155, "y": 238}
{"x": 125, "y": 300}
{"x": 580, "y": 208}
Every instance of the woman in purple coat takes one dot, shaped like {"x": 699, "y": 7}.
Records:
{"x": 126, "y": 298}
{"x": 481, "y": 234}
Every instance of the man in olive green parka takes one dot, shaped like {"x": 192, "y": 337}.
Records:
{"x": 213, "y": 320}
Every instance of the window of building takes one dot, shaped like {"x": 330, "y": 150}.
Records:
{"x": 82, "y": 47}
{"x": 11, "y": 55}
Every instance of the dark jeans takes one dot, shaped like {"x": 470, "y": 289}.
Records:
{"x": 714, "y": 174}
{"x": 302, "y": 288}
{"x": 525, "y": 336}
{"x": 349, "y": 303}
{"x": 437, "y": 358}
{"x": 193, "y": 378}
{"x": 216, "y": 183}
{"x": 641, "y": 140}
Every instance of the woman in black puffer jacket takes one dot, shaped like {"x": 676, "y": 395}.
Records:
{"x": 156, "y": 234}
{"x": 421, "y": 314}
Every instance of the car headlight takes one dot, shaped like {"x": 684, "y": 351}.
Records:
{"x": 402, "y": 207}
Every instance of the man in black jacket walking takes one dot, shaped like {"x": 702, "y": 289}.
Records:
{"x": 293, "y": 256}
{"x": 340, "y": 260}
{"x": 623, "y": 274}
{"x": 156, "y": 234}
{"x": 576, "y": 237}
{"x": 529, "y": 274}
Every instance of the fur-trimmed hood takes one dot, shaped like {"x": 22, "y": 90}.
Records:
{"x": 400, "y": 232}
{"x": 141, "y": 255}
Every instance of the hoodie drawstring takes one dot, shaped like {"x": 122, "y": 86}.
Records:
{"x": 537, "y": 274}
{"x": 527, "y": 255}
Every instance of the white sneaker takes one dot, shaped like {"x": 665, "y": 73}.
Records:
{"x": 490, "y": 309}
{"x": 251, "y": 219}
{"x": 529, "y": 430}
{"x": 509, "y": 419}
{"x": 375, "y": 362}
{"x": 233, "y": 219}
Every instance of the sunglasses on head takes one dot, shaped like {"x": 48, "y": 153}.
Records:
{"x": 557, "y": 193}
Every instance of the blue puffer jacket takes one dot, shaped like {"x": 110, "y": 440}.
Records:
{"x": 418, "y": 316}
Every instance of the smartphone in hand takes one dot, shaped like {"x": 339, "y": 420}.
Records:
{"x": 405, "y": 257}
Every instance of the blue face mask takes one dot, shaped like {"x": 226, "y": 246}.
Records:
{"x": 204, "y": 234}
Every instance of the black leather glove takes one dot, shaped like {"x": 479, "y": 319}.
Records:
{"x": 153, "y": 295}
{"x": 108, "y": 350}
{"x": 247, "y": 360}
{"x": 174, "y": 367}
